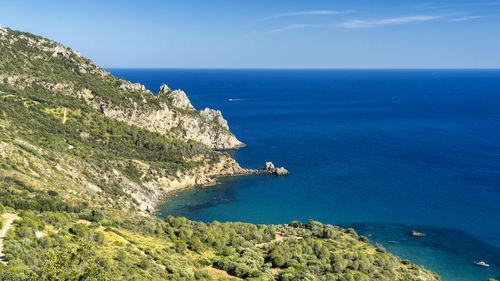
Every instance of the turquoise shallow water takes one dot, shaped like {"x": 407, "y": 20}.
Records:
{"x": 383, "y": 151}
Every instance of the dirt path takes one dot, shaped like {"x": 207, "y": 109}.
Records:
{"x": 9, "y": 219}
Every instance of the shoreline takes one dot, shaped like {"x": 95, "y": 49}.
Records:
{"x": 213, "y": 182}
{"x": 268, "y": 169}
{"x": 169, "y": 194}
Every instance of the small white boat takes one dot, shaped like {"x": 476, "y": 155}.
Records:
{"x": 482, "y": 263}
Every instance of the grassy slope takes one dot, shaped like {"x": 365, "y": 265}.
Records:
{"x": 69, "y": 180}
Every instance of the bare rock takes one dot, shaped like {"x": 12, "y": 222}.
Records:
{"x": 164, "y": 89}
{"x": 270, "y": 169}
{"x": 281, "y": 171}
{"x": 269, "y": 166}
{"x": 133, "y": 86}
{"x": 178, "y": 98}
{"x": 214, "y": 115}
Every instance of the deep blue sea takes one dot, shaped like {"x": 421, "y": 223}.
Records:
{"x": 383, "y": 151}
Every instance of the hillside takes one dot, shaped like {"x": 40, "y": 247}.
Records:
{"x": 85, "y": 155}
{"x": 30, "y": 61}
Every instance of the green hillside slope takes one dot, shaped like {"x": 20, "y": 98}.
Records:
{"x": 81, "y": 168}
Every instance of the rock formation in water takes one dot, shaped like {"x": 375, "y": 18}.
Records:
{"x": 270, "y": 169}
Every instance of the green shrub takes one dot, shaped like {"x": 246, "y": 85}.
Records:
{"x": 52, "y": 193}
{"x": 79, "y": 230}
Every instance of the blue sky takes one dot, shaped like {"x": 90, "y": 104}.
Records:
{"x": 269, "y": 34}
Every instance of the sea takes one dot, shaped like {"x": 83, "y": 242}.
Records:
{"x": 386, "y": 152}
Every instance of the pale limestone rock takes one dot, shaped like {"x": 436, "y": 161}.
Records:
{"x": 269, "y": 166}
{"x": 133, "y": 86}
{"x": 58, "y": 50}
{"x": 270, "y": 169}
{"x": 164, "y": 89}
{"x": 180, "y": 100}
{"x": 214, "y": 115}
{"x": 281, "y": 171}
{"x": 209, "y": 127}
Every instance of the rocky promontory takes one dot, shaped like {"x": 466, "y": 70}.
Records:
{"x": 174, "y": 116}
{"x": 89, "y": 100}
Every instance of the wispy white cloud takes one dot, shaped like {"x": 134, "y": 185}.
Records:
{"x": 451, "y": 5}
{"x": 291, "y": 27}
{"x": 495, "y": 3}
{"x": 467, "y": 18}
{"x": 305, "y": 13}
{"x": 387, "y": 21}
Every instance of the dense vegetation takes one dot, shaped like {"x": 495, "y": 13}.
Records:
{"x": 37, "y": 116}
{"x": 32, "y": 123}
{"x": 179, "y": 249}
{"x": 70, "y": 174}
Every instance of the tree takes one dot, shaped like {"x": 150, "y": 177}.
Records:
{"x": 276, "y": 259}
{"x": 67, "y": 264}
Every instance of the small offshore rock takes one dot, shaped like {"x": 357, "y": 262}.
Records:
{"x": 269, "y": 166}
{"x": 270, "y": 169}
{"x": 281, "y": 171}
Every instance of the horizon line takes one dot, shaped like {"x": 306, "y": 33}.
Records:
{"x": 309, "y": 68}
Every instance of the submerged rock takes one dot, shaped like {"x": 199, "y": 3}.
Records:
{"x": 417, "y": 234}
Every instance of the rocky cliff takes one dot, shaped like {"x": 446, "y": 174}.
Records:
{"x": 174, "y": 116}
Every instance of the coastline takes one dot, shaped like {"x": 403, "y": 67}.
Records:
{"x": 207, "y": 180}
{"x": 171, "y": 193}
{"x": 193, "y": 166}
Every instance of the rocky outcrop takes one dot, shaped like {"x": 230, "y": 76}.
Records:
{"x": 215, "y": 116}
{"x": 270, "y": 169}
{"x": 133, "y": 87}
{"x": 178, "y": 98}
{"x": 174, "y": 117}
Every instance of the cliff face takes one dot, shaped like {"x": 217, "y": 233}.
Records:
{"x": 28, "y": 60}
{"x": 174, "y": 116}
